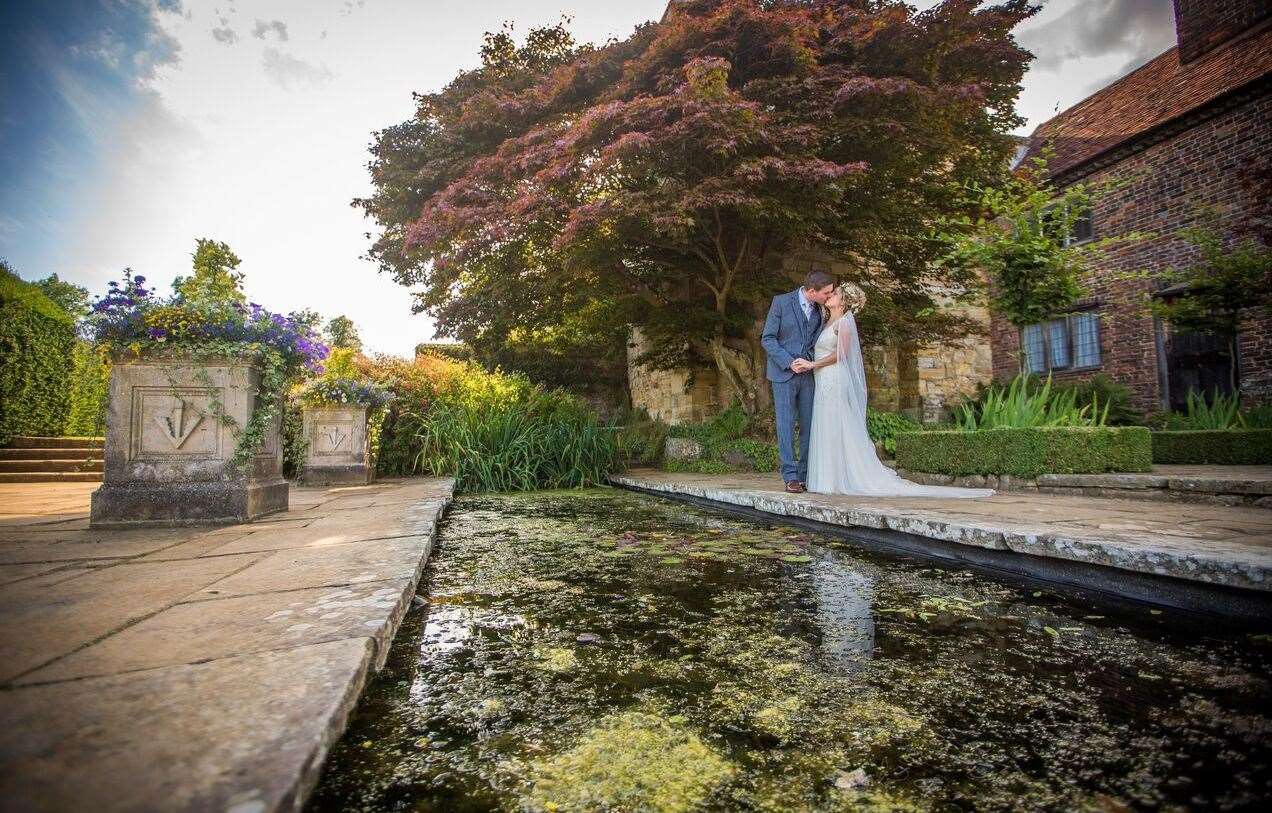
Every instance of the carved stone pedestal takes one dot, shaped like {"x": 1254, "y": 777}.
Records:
{"x": 169, "y": 452}
{"x": 338, "y": 452}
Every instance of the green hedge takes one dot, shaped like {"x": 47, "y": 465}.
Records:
{"x": 1230, "y": 447}
{"x": 37, "y": 339}
{"x": 90, "y": 385}
{"x": 1027, "y": 452}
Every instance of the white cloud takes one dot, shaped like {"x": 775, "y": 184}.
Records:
{"x": 277, "y": 27}
{"x": 288, "y": 72}
{"x": 224, "y": 35}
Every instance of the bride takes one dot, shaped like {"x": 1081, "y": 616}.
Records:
{"x": 842, "y": 458}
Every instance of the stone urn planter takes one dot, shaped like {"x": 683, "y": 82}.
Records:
{"x": 172, "y": 431}
{"x": 337, "y": 452}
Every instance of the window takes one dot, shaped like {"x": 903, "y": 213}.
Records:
{"x": 1081, "y": 230}
{"x": 1071, "y": 342}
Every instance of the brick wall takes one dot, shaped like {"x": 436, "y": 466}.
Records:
{"x": 1202, "y": 24}
{"x": 1167, "y": 187}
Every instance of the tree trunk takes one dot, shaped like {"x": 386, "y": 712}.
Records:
{"x": 737, "y": 373}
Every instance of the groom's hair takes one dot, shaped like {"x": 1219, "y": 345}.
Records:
{"x": 816, "y": 280}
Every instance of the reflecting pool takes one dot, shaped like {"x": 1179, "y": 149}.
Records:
{"x": 602, "y": 650}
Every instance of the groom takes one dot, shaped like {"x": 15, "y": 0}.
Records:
{"x": 790, "y": 331}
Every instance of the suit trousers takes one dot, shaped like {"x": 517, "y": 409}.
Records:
{"x": 793, "y": 401}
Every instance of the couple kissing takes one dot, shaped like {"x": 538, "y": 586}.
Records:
{"x": 819, "y": 387}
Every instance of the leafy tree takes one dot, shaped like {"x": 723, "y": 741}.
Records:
{"x": 215, "y": 286}
{"x": 1020, "y": 239}
{"x": 1226, "y": 283}
{"x": 342, "y": 332}
{"x": 70, "y": 297}
{"x": 655, "y": 182}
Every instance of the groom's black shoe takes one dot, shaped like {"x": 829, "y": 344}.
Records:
{"x": 795, "y": 487}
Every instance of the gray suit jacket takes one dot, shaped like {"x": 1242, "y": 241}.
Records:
{"x": 788, "y": 335}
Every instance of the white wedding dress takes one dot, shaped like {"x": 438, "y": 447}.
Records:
{"x": 842, "y": 458}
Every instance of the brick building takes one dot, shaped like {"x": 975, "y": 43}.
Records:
{"x": 1184, "y": 133}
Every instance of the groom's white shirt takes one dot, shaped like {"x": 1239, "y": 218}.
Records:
{"x": 805, "y": 304}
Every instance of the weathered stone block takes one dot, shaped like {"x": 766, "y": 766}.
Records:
{"x": 338, "y": 450}
{"x": 172, "y": 430}
{"x": 682, "y": 449}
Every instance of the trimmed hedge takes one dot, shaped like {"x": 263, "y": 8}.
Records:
{"x": 37, "y": 339}
{"x": 1027, "y": 452}
{"x": 90, "y": 385}
{"x": 1227, "y": 447}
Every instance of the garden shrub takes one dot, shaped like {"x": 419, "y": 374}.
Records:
{"x": 491, "y": 431}
{"x": 295, "y": 444}
{"x": 759, "y": 456}
{"x": 1027, "y": 452}
{"x": 639, "y": 438}
{"x": 37, "y": 342}
{"x": 1096, "y": 394}
{"x": 885, "y": 426}
{"x": 1226, "y": 447}
{"x": 697, "y": 467}
{"x": 89, "y": 391}
{"x": 730, "y": 441}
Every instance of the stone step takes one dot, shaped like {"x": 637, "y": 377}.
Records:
{"x": 41, "y": 442}
{"x": 50, "y": 454}
{"x": 32, "y": 465}
{"x": 50, "y": 477}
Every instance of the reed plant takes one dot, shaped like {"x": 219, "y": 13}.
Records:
{"x": 1217, "y": 412}
{"x": 490, "y": 430}
{"x": 1021, "y": 406}
{"x": 542, "y": 439}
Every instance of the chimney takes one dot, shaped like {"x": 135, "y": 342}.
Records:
{"x": 1201, "y": 25}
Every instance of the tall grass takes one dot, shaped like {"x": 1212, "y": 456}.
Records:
{"x": 490, "y": 430}
{"x": 539, "y": 440}
{"x": 1021, "y": 406}
{"x": 1218, "y": 412}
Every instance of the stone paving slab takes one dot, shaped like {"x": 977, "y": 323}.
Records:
{"x": 1214, "y": 544}
{"x": 40, "y": 622}
{"x": 195, "y": 668}
{"x": 255, "y": 623}
{"x": 326, "y": 566}
{"x": 244, "y": 733}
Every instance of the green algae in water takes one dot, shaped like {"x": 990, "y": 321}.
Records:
{"x": 761, "y": 681}
{"x": 630, "y": 761}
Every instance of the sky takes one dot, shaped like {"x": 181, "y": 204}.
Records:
{"x": 129, "y": 128}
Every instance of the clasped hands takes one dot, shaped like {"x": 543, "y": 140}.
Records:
{"x": 802, "y": 366}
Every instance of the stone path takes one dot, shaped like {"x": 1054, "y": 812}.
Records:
{"x": 194, "y": 669}
{"x": 1216, "y": 485}
{"x": 1212, "y": 544}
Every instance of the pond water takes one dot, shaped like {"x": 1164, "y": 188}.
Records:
{"x": 607, "y": 651}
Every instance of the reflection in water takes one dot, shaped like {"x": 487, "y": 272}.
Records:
{"x": 845, "y": 612}
{"x": 603, "y": 651}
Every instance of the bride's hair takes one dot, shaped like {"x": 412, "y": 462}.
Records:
{"x": 853, "y": 297}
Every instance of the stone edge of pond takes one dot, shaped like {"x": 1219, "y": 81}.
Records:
{"x": 427, "y": 513}
{"x": 1198, "y": 582}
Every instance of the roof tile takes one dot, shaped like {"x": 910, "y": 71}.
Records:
{"x": 1159, "y": 91}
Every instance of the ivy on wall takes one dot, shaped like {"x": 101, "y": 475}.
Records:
{"x": 37, "y": 341}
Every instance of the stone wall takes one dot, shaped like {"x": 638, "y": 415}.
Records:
{"x": 920, "y": 382}
{"x": 672, "y": 396}
{"x": 948, "y": 373}
{"x": 1168, "y": 186}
